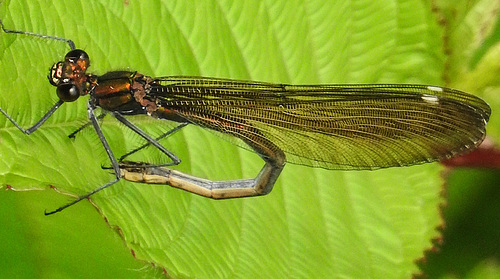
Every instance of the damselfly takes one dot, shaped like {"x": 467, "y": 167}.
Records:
{"x": 341, "y": 127}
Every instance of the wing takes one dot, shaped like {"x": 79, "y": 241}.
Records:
{"x": 333, "y": 126}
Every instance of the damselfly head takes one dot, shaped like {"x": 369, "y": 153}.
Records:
{"x": 69, "y": 75}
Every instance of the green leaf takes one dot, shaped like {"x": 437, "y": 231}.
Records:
{"x": 315, "y": 223}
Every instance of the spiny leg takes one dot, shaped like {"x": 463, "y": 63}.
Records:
{"x": 99, "y": 117}
{"x": 164, "y": 135}
{"x": 68, "y": 41}
{"x": 114, "y": 163}
{"x": 147, "y": 137}
{"x": 38, "y": 123}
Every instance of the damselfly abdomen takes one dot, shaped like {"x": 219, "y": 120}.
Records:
{"x": 345, "y": 127}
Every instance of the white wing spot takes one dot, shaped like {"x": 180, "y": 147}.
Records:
{"x": 430, "y": 98}
{"x": 435, "y": 88}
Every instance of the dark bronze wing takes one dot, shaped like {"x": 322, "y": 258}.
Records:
{"x": 334, "y": 126}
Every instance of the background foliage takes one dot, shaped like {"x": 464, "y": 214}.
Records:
{"x": 315, "y": 223}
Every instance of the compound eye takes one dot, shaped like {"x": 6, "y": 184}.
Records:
{"x": 77, "y": 54}
{"x": 67, "y": 92}
{"x": 78, "y": 57}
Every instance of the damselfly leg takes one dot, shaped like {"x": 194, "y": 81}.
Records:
{"x": 135, "y": 150}
{"x": 164, "y": 135}
{"x": 88, "y": 124}
{"x": 114, "y": 163}
{"x": 68, "y": 41}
